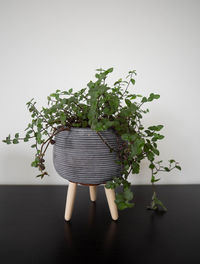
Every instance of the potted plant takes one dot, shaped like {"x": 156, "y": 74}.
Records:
{"x": 98, "y": 137}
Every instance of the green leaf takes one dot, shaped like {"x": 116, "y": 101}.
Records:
{"x": 156, "y": 151}
{"x": 128, "y": 102}
{"x": 63, "y": 118}
{"x": 129, "y": 137}
{"x": 159, "y": 127}
{"x": 166, "y": 169}
{"x": 124, "y": 205}
{"x": 34, "y": 163}
{"x": 7, "y": 140}
{"x": 119, "y": 197}
{"x": 15, "y": 141}
{"x": 109, "y": 70}
{"x": 157, "y": 137}
{"x": 128, "y": 195}
{"x": 153, "y": 96}
{"x": 70, "y": 91}
{"x": 110, "y": 185}
{"x": 152, "y": 128}
{"x": 150, "y": 156}
{"x": 117, "y": 82}
{"x": 160, "y": 136}
{"x": 178, "y": 167}
{"x": 156, "y": 128}
{"x": 135, "y": 167}
{"x": 132, "y": 72}
{"x": 156, "y": 96}
{"x": 39, "y": 137}
{"x": 149, "y": 133}
{"x": 156, "y": 203}
{"x": 39, "y": 127}
{"x": 133, "y": 81}
{"x": 144, "y": 100}
{"x": 151, "y": 166}
{"x": 17, "y": 135}
{"x": 133, "y": 96}
{"x": 156, "y": 180}
{"x": 153, "y": 179}
{"x": 121, "y": 205}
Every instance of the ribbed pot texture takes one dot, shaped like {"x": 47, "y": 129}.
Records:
{"x": 79, "y": 155}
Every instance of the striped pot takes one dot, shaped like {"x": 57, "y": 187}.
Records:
{"x": 80, "y": 156}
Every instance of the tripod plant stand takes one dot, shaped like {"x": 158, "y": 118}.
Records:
{"x": 71, "y": 194}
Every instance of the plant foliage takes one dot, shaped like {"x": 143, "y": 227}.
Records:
{"x": 101, "y": 106}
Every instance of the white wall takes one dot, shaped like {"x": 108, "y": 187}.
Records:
{"x": 58, "y": 44}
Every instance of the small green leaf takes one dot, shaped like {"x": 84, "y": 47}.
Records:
{"x": 17, "y": 135}
{"x": 109, "y": 70}
{"x": 156, "y": 151}
{"x": 7, "y": 140}
{"x": 156, "y": 96}
{"x": 128, "y": 102}
{"x": 117, "y": 82}
{"x": 152, "y": 128}
{"x": 153, "y": 179}
{"x": 121, "y": 205}
{"x": 63, "y": 118}
{"x": 39, "y": 137}
{"x": 156, "y": 128}
{"x": 160, "y": 136}
{"x": 159, "y": 127}
{"x": 70, "y": 91}
{"x": 151, "y": 166}
{"x": 133, "y": 81}
{"x": 149, "y": 133}
{"x": 144, "y": 100}
{"x": 156, "y": 203}
{"x": 150, "y": 156}
{"x": 34, "y": 164}
{"x": 157, "y": 137}
{"x": 15, "y": 141}
{"x": 110, "y": 185}
{"x": 128, "y": 195}
{"x": 135, "y": 167}
{"x": 132, "y": 72}
{"x": 178, "y": 167}
{"x": 153, "y": 96}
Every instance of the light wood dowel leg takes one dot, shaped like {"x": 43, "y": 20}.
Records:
{"x": 71, "y": 193}
{"x": 93, "y": 193}
{"x": 110, "y": 195}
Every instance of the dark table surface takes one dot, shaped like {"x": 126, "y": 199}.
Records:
{"x": 33, "y": 230}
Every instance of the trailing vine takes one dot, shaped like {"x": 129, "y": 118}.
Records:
{"x": 101, "y": 106}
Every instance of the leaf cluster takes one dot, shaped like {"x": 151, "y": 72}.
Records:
{"x": 100, "y": 106}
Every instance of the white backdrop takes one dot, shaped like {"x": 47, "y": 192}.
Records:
{"x": 56, "y": 44}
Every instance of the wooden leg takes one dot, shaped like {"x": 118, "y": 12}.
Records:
{"x": 110, "y": 195}
{"x": 93, "y": 193}
{"x": 71, "y": 193}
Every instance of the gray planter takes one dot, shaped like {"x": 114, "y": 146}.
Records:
{"x": 80, "y": 156}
